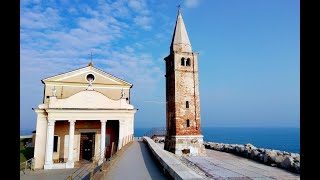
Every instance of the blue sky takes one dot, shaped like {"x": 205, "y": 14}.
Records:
{"x": 249, "y": 62}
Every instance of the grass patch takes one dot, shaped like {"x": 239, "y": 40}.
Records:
{"x": 25, "y": 153}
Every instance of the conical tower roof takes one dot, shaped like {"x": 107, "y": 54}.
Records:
{"x": 180, "y": 40}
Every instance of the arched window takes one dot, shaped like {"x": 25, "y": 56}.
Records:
{"x": 182, "y": 61}
{"x": 188, "y": 63}
{"x": 188, "y": 123}
{"x": 187, "y": 104}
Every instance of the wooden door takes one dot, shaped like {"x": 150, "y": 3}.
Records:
{"x": 87, "y": 146}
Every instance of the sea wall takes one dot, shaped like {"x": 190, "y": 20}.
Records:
{"x": 281, "y": 159}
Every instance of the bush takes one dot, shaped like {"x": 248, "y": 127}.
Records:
{"x": 25, "y": 152}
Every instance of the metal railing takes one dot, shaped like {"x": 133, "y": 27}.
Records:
{"x": 28, "y": 164}
{"x": 88, "y": 171}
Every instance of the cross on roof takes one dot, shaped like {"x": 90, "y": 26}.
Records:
{"x": 91, "y": 56}
{"x": 90, "y": 63}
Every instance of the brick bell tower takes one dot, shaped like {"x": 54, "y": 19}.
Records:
{"x": 182, "y": 96}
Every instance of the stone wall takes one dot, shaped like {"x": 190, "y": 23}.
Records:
{"x": 191, "y": 145}
{"x": 281, "y": 159}
{"x": 171, "y": 166}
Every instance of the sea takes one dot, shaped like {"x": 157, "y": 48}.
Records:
{"x": 283, "y": 139}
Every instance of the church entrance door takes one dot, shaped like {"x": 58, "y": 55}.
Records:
{"x": 87, "y": 146}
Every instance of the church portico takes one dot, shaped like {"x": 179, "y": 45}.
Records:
{"x": 65, "y": 140}
{"x": 81, "y": 127}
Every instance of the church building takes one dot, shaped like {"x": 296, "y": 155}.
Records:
{"x": 182, "y": 96}
{"x": 85, "y": 112}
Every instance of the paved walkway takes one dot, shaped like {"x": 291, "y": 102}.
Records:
{"x": 225, "y": 166}
{"x": 52, "y": 174}
{"x": 221, "y": 165}
{"x": 81, "y": 171}
{"x": 136, "y": 163}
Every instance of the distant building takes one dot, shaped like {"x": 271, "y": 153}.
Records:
{"x": 83, "y": 112}
{"x": 182, "y": 96}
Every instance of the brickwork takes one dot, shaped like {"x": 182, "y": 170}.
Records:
{"x": 182, "y": 88}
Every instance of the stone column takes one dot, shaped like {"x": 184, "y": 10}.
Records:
{"x": 70, "y": 162}
{"x": 121, "y": 133}
{"x": 49, "y": 145}
{"x": 125, "y": 134}
{"x": 40, "y": 144}
{"x": 132, "y": 128}
{"x": 102, "y": 141}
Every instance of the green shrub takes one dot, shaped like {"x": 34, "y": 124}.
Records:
{"x": 25, "y": 153}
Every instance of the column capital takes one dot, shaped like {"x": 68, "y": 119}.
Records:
{"x": 72, "y": 121}
{"x": 122, "y": 121}
{"x": 51, "y": 122}
{"x": 103, "y": 121}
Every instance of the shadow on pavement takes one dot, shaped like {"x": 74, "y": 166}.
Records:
{"x": 155, "y": 172}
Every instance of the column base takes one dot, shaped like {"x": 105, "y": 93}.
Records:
{"x": 70, "y": 164}
{"x": 120, "y": 144}
{"x": 48, "y": 165}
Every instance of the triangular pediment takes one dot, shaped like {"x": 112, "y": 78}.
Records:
{"x": 79, "y": 76}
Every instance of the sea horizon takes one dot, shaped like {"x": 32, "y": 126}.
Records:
{"x": 277, "y": 138}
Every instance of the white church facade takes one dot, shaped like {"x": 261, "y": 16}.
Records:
{"x": 84, "y": 112}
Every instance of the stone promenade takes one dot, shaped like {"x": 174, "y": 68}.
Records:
{"x": 220, "y": 165}
{"x": 136, "y": 163}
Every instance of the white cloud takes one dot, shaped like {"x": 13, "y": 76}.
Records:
{"x": 25, "y": 2}
{"x": 91, "y": 12}
{"x": 138, "y": 45}
{"x": 69, "y": 47}
{"x": 137, "y": 68}
{"x": 48, "y": 18}
{"x": 192, "y": 3}
{"x": 129, "y": 49}
{"x": 73, "y": 10}
{"x": 117, "y": 8}
{"x": 139, "y": 6}
{"x": 56, "y": 40}
{"x": 143, "y": 22}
